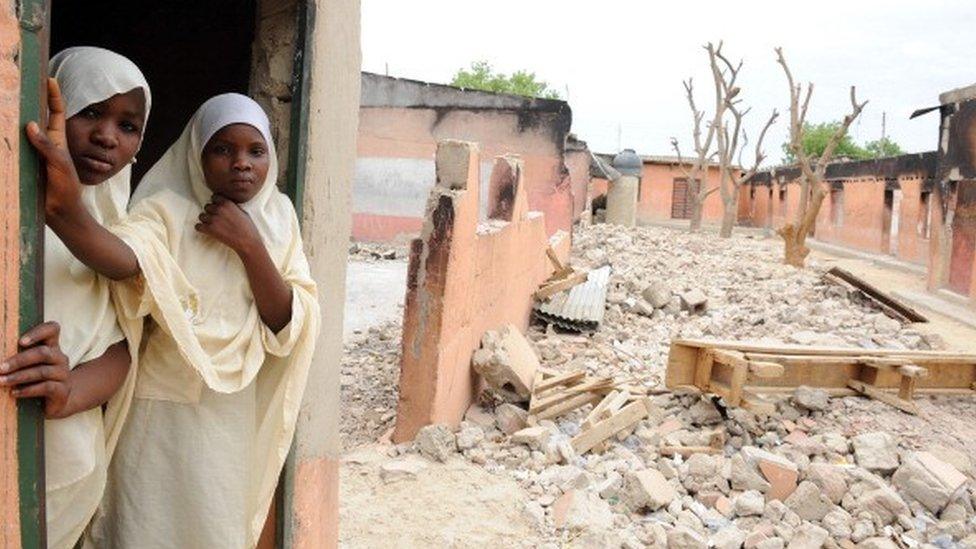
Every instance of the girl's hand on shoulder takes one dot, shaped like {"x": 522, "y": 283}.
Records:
{"x": 230, "y": 224}
{"x": 40, "y": 370}
{"x": 63, "y": 187}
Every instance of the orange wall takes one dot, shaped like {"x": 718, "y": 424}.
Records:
{"x": 578, "y": 164}
{"x": 862, "y": 219}
{"x": 461, "y": 283}
{"x": 387, "y": 133}
{"x": 656, "y": 191}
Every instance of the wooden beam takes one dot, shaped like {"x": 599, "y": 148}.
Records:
{"x": 550, "y": 289}
{"x": 629, "y": 415}
{"x": 561, "y": 379}
{"x": 568, "y": 405}
{"x": 882, "y": 396}
{"x": 887, "y": 303}
{"x": 569, "y": 392}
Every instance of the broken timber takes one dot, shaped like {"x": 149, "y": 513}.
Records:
{"x": 891, "y": 306}
{"x": 741, "y": 372}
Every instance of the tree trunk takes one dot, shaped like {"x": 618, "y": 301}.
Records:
{"x": 696, "y": 214}
{"x": 730, "y": 209}
{"x": 794, "y": 237}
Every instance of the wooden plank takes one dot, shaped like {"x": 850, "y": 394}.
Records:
{"x": 561, "y": 379}
{"x": 790, "y": 349}
{"x": 889, "y": 304}
{"x": 737, "y": 384}
{"x": 568, "y": 405}
{"x": 629, "y": 415}
{"x": 556, "y": 263}
{"x": 569, "y": 392}
{"x": 882, "y": 396}
{"x": 766, "y": 369}
{"x": 907, "y": 389}
{"x": 596, "y": 414}
{"x": 703, "y": 368}
{"x": 548, "y": 290}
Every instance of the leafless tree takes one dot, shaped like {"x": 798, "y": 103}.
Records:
{"x": 727, "y": 133}
{"x": 703, "y": 138}
{"x": 732, "y": 141}
{"x": 812, "y": 170}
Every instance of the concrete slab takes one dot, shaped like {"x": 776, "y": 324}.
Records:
{"x": 374, "y": 294}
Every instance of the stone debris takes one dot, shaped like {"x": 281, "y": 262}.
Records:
{"x": 819, "y": 472}
{"x": 507, "y": 363}
{"x": 405, "y": 467}
{"x": 876, "y": 452}
{"x": 808, "y": 398}
{"x": 436, "y": 442}
{"x": 929, "y": 481}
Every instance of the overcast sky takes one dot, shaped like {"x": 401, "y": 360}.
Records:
{"x": 620, "y": 63}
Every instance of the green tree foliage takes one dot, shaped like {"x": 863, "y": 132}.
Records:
{"x": 883, "y": 147}
{"x": 481, "y": 76}
{"x": 816, "y": 136}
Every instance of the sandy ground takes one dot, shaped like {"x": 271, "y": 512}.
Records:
{"x": 455, "y": 504}
{"x": 374, "y": 294}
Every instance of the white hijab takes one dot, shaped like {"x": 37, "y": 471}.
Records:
{"x": 78, "y": 447}
{"x": 196, "y": 290}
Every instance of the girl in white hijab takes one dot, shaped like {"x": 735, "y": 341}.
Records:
{"x": 87, "y": 362}
{"x": 222, "y": 274}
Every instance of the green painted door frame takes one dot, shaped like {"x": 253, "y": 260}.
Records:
{"x": 35, "y": 20}
{"x": 295, "y": 188}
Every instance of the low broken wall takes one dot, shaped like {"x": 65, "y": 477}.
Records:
{"x": 464, "y": 278}
{"x": 400, "y": 124}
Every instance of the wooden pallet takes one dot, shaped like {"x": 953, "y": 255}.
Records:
{"x": 741, "y": 372}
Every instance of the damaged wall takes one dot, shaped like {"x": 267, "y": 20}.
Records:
{"x": 881, "y": 206}
{"x": 400, "y": 122}
{"x": 465, "y": 278}
{"x": 953, "y": 247}
{"x": 578, "y": 165}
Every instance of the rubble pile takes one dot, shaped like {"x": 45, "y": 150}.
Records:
{"x": 818, "y": 472}
{"x": 369, "y": 383}
{"x": 377, "y": 251}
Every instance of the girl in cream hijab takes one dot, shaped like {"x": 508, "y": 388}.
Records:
{"x": 79, "y": 360}
{"x": 212, "y": 253}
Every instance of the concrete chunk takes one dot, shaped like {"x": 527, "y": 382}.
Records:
{"x": 929, "y": 481}
{"x": 507, "y": 362}
{"x": 647, "y": 489}
{"x": 876, "y": 452}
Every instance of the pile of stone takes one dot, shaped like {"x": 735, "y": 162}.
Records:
{"x": 369, "y": 384}
{"x": 373, "y": 251}
{"x": 776, "y": 482}
{"x": 819, "y": 472}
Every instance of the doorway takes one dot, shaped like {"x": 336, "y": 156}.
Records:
{"x": 890, "y": 220}
{"x": 681, "y": 198}
{"x": 188, "y": 50}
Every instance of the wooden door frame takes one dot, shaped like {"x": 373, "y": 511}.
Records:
{"x": 295, "y": 189}
{"x": 35, "y": 23}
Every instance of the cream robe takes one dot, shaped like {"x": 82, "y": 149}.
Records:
{"x": 77, "y": 448}
{"x": 218, "y": 392}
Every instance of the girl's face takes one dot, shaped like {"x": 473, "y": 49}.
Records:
{"x": 235, "y": 162}
{"x": 104, "y": 137}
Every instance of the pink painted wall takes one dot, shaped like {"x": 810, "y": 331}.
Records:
{"x": 387, "y": 133}
{"x": 578, "y": 164}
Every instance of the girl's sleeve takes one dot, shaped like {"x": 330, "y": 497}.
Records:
{"x": 160, "y": 279}
{"x": 304, "y": 300}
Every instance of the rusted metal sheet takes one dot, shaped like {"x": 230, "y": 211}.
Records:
{"x": 581, "y": 308}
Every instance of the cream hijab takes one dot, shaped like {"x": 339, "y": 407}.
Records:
{"x": 222, "y": 340}
{"x": 78, "y": 447}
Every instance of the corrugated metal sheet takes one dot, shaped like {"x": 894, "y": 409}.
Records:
{"x": 580, "y": 308}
